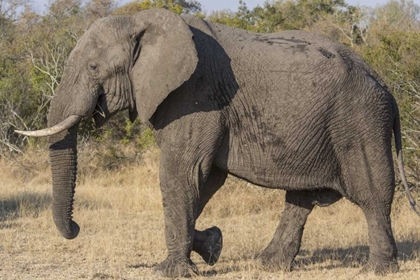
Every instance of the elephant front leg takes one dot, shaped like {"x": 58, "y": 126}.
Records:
{"x": 208, "y": 244}
{"x": 180, "y": 202}
{"x": 186, "y": 189}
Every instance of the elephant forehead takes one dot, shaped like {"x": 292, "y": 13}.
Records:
{"x": 94, "y": 38}
{"x": 104, "y": 32}
{"x": 112, "y": 28}
{"x": 93, "y": 44}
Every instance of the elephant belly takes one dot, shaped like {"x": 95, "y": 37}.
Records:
{"x": 279, "y": 162}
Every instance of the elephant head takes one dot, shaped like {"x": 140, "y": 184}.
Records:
{"x": 119, "y": 63}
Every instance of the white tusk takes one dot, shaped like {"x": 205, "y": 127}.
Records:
{"x": 101, "y": 112}
{"x": 66, "y": 124}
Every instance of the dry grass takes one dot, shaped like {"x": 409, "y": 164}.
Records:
{"x": 121, "y": 219}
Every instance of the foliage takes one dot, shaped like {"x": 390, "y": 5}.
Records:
{"x": 16, "y": 99}
{"x": 393, "y": 49}
{"x": 284, "y": 14}
{"x": 240, "y": 19}
{"x": 140, "y": 135}
{"x": 176, "y": 6}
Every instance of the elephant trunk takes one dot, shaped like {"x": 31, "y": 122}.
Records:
{"x": 67, "y": 108}
{"x": 63, "y": 158}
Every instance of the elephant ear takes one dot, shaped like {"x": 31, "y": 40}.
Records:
{"x": 164, "y": 58}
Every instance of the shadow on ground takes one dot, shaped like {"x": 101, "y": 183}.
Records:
{"x": 352, "y": 257}
{"x": 408, "y": 250}
{"x": 327, "y": 258}
{"x": 24, "y": 204}
{"x": 340, "y": 257}
{"x": 141, "y": 265}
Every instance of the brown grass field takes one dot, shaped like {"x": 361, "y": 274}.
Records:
{"x": 122, "y": 233}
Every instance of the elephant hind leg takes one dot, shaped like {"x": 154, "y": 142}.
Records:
{"x": 285, "y": 245}
{"x": 209, "y": 243}
{"x": 383, "y": 250}
{"x": 382, "y": 246}
{"x": 370, "y": 185}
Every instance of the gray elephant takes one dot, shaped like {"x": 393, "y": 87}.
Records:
{"x": 292, "y": 110}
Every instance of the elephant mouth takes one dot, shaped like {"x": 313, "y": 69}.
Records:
{"x": 100, "y": 113}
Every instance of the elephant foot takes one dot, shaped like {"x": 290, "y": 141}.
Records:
{"x": 381, "y": 267}
{"x": 175, "y": 268}
{"x": 208, "y": 244}
{"x": 275, "y": 261}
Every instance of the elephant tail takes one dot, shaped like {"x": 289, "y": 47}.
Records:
{"x": 398, "y": 147}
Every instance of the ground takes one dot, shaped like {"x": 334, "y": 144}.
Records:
{"x": 120, "y": 214}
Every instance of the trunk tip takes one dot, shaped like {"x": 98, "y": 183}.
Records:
{"x": 74, "y": 231}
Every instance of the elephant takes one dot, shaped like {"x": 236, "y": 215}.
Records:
{"x": 292, "y": 110}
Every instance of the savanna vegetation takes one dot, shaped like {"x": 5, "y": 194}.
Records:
{"x": 117, "y": 199}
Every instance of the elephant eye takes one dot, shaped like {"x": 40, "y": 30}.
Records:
{"x": 93, "y": 67}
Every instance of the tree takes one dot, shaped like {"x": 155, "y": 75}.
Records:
{"x": 287, "y": 15}
{"x": 11, "y": 9}
{"x": 190, "y": 7}
{"x": 13, "y": 83}
{"x": 393, "y": 49}
{"x": 100, "y": 8}
{"x": 175, "y": 6}
{"x": 243, "y": 18}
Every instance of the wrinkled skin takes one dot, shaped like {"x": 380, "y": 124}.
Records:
{"x": 292, "y": 110}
